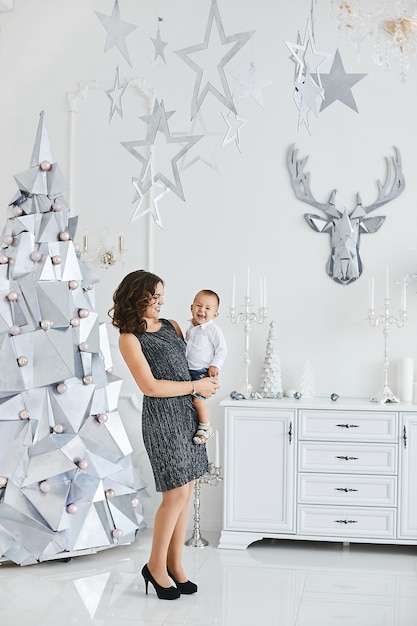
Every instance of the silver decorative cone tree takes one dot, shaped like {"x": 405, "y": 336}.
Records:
{"x": 68, "y": 485}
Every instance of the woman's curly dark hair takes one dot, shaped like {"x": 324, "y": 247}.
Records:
{"x": 131, "y": 299}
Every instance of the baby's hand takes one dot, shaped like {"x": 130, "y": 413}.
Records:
{"x": 213, "y": 371}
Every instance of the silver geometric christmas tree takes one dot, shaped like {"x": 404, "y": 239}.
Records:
{"x": 67, "y": 482}
{"x": 271, "y": 379}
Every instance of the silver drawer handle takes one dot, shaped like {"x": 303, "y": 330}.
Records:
{"x": 348, "y": 425}
{"x": 345, "y": 489}
{"x": 347, "y": 458}
{"x": 346, "y": 521}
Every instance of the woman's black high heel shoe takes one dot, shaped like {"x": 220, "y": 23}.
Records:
{"x": 185, "y": 588}
{"x": 164, "y": 593}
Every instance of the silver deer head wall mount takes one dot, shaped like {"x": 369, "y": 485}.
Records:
{"x": 344, "y": 227}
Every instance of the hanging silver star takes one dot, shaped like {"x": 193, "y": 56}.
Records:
{"x": 308, "y": 93}
{"x": 305, "y": 55}
{"x": 115, "y": 96}
{"x": 234, "y": 124}
{"x": 152, "y": 208}
{"x": 250, "y": 84}
{"x": 337, "y": 85}
{"x": 158, "y": 121}
{"x": 238, "y": 40}
{"x": 159, "y": 46}
{"x": 117, "y": 31}
{"x": 208, "y": 156}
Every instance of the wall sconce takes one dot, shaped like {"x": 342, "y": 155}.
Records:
{"x": 106, "y": 254}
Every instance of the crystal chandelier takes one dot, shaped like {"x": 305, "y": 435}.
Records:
{"x": 391, "y": 24}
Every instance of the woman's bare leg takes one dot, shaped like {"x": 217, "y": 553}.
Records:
{"x": 169, "y": 514}
{"x": 176, "y": 545}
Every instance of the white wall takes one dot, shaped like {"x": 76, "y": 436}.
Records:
{"x": 248, "y": 214}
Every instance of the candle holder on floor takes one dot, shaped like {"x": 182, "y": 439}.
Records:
{"x": 211, "y": 477}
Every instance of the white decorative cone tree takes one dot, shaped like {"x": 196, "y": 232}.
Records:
{"x": 271, "y": 380}
{"x": 67, "y": 482}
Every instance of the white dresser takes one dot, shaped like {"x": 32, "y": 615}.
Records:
{"x": 320, "y": 470}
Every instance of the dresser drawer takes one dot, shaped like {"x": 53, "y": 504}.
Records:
{"x": 380, "y": 426}
{"x": 346, "y": 521}
{"x": 361, "y": 458}
{"x": 347, "y": 489}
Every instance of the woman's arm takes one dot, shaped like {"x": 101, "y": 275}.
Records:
{"x": 132, "y": 353}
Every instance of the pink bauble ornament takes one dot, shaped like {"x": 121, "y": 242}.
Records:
{"x": 24, "y": 414}
{"x": 109, "y": 370}
{"x": 14, "y": 330}
{"x": 17, "y": 211}
{"x": 64, "y": 236}
{"x": 8, "y": 240}
{"x": 110, "y": 493}
{"x": 72, "y": 508}
{"x": 56, "y": 259}
{"x": 45, "y": 166}
{"x": 22, "y": 361}
{"x": 56, "y": 206}
{"x": 46, "y": 324}
{"x": 73, "y": 284}
{"x": 75, "y": 322}
{"x": 12, "y": 296}
{"x": 3, "y": 482}
{"x": 135, "y": 503}
{"x": 77, "y": 248}
{"x": 83, "y": 346}
{"x": 44, "y": 486}
{"x": 58, "y": 429}
{"x": 88, "y": 287}
{"x": 82, "y": 464}
{"x": 4, "y": 259}
{"x": 61, "y": 388}
{"x": 35, "y": 256}
{"x": 87, "y": 380}
{"x": 117, "y": 533}
{"x": 83, "y": 313}
{"x": 102, "y": 418}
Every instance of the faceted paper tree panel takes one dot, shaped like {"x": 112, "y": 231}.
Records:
{"x": 67, "y": 481}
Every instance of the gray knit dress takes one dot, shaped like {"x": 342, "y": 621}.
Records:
{"x": 168, "y": 424}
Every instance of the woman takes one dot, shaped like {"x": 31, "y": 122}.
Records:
{"x": 154, "y": 351}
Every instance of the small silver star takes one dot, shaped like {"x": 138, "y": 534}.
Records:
{"x": 337, "y": 85}
{"x": 250, "y": 84}
{"x": 308, "y": 91}
{"x": 115, "y": 96}
{"x": 208, "y": 157}
{"x": 239, "y": 40}
{"x": 117, "y": 31}
{"x": 300, "y": 52}
{"x": 234, "y": 124}
{"x": 159, "y": 46}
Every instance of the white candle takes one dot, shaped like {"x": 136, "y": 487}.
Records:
{"x": 121, "y": 244}
{"x": 372, "y": 293}
{"x": 233, "y": 304}
{"x": 261, "y": 293}
{"x": 404, "y": 294}
{"x": 85, "y": 242}
{"x": 216, "y": 450}
{"x": 386, "y": 282}
{"x": 265, "y": 291}
{"x": 248, "y": 283}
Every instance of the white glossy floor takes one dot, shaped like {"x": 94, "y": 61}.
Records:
{"x": 272, "y": 583}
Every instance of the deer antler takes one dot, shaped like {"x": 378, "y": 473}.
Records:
{"x": 301, "y": 184}
{"x": 393, "y": 185}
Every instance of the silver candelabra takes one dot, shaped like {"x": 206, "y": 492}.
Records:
{"x": 248, "y": 318}
{"x": 386, "y": 320}
{"x": 211, "y": 477}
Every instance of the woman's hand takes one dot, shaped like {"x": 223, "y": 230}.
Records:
{"x": 206, "y": 387}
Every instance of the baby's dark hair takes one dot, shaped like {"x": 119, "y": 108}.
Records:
{"x": 209, "y": 292}
{"x": 131, "y": 299}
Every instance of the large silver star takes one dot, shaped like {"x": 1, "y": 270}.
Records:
{"x": 337, "y": 85}
{"x": 115, "y": 96}
{"x": 159, "y": 46}
{"x": 238, "y": 40}
{"x": 117, "y": 31}
{"x": 158, "y": 121}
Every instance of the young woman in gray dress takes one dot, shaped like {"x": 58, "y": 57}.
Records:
{"x": 154, "y": 351}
